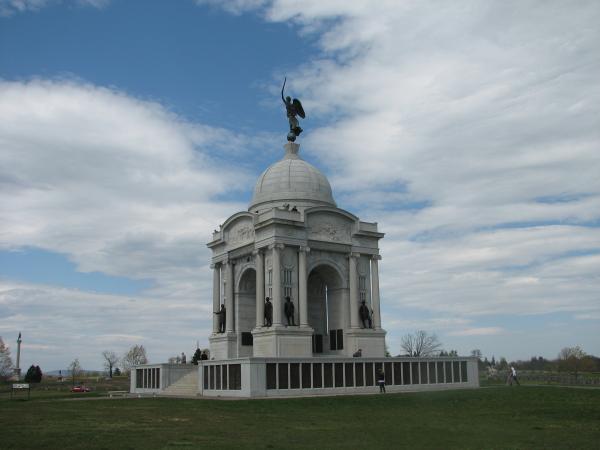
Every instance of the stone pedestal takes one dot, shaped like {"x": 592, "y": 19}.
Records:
{"x": 223, "y": 345}
{"x": 281, "y": 341}
{"x": 372, "y": 342}
{"x": 16, "y": 376}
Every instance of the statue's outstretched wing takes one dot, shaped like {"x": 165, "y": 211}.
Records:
{"x": 299, "y": 108}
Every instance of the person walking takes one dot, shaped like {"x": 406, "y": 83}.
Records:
{"x": 381, "y": 380}
{"x": 513, "y": 373}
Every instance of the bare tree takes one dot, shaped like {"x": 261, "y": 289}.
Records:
{"x": 110, "y": 359}
{"x": 420, "y": 343}
{"x": 75, "y": 369}
{"x": 570, "y": 359}
{"x": 5, "y": 361}
{"x": 134, "y": 357}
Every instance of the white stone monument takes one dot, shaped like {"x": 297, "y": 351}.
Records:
{"x": 295, "y": 242}
{"x": 17, "y": 369}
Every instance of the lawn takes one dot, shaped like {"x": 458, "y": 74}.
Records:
{"x": 522, "y": 417}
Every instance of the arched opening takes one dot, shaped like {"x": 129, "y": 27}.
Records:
{"x": 326, "y": 309}
{"x": 245, "y": 311}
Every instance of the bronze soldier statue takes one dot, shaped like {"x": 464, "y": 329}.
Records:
{"x": 293, "y": 108}
{"x": 289, "y": 311}
{"x": 268, "y": 312}
{"x": 365, "y": 315}
{"x": 221, "y": 315}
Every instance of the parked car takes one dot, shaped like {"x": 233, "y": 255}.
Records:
{"x": 80, "y": 389}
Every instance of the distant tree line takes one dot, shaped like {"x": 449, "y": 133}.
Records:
{"x": 571, "y": 360}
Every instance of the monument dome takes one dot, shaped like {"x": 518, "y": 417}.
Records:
{"x": 291, "y": 180}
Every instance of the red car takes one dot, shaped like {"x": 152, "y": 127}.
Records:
{"x": 80, "y": 389}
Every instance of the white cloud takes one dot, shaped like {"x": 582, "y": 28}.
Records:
{"x": 60, "y": 324}
{"x": 483, "y": 331}
{"x": 593, "y": 316}
{"x": 475, "y": 122}
{"x": 469, "y": 131}
{"x": 234, "y": 6}
{"x": 118, "y": 184}
{"x": 123, "y": 187}
{"x": 10, "y": 7}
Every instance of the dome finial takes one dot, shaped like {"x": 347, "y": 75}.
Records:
{"x": 291, "y": 151}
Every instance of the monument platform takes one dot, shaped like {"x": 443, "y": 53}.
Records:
{"x": 280, "y": 377}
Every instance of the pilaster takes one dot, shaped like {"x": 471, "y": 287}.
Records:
{"x": 260, "y": 287}
{"x": 277, "y": 297}
{"x": 302, "y": 286}
{"x": 229, "y": 312}
{"x": 375, "y": 291}
{"x": 216, "y": 294}
{"x": 352, "y": 279}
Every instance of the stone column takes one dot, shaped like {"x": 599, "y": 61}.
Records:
{"x": 216, "y": 295}
{"x": 260, "y": 288}
{"x": 375, "y": 291}
{"x": 18, "y": 368}
{"x": 276, "y": 283}
{"x": 302, "y": 286}
{"x": 352, "y": 257}
{"x": 229, "y": 297}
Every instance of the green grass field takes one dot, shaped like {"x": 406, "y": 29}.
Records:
{"x": 492, "y": 418}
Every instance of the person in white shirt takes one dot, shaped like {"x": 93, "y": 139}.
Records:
{"x": 514, "y": 375}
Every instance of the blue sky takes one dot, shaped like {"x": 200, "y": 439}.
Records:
{"x": 130, "y": 129}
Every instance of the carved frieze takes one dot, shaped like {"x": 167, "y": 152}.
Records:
{"x": 241, "y": 232}
{"x": 329, "y": 227}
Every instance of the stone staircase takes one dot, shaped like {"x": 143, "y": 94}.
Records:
{"x": 186, "y": 386}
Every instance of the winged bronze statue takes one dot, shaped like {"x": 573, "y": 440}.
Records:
{"x": 293, "y": 108}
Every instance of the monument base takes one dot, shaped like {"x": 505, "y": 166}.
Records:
{"x": 279, "y": 340}
{"x": 223, "y": 345}
{"x": 16, "y": 376}
{"x": 297, "y": 377}
{"x": 370, "y": 341}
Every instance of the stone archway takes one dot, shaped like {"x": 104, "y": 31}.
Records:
{"x": 245, "y": 305}
{"x": 327, "y": 309}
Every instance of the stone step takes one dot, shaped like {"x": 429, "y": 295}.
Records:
{"x": 186, "y": 385}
